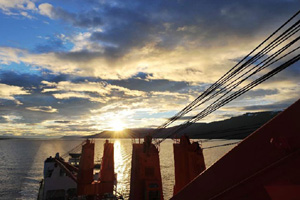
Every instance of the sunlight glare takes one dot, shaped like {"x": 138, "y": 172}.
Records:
{"x": 117, "y": 125}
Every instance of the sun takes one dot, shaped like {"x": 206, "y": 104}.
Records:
{"x": 117, "y": 125}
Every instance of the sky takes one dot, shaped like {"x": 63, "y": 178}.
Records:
{"x": 78, "y": 67}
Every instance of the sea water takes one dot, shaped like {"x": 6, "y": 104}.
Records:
{"x": 22, "y": 162}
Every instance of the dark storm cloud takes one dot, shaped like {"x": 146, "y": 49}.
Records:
{"x": 73, "y": 128}
{"x": 62, "y": 122}
{"x": 126, "y": 25}
{"x": 86, "y": 19}
{"x": 184, "y": 118}
{"x": 150, "y": 85}
{"x": 71, "y": 108}
{"x": 270, "y": 107}
{"x": 23, "y": 115}
{"x": 75, "y": 107}
{"x": 31, "y": 81}
{"x": 292, "y": 73}
{"x": 125, "y": 28}
{"x": 259, "y": 93}
{"x": 79, "y": 56}
{"x": 139, "y": 82}
{"x": 22, "y": 80}
{"x": 66, "y": 108}
{"x": 175, "y": 22}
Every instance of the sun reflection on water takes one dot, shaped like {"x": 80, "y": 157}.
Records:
{"x": 119, "y": 165}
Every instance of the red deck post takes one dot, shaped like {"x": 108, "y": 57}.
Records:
{"x": 86, "y": 184}
{"x": 86, "y": 166}
{"x": 145, "y": 183}
{"x": 107, "y": 173}
{"x": 189, "y": 162}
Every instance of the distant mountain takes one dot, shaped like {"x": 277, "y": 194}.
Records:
{"x": 237, "y": 127}
{"x": 127, "y": 133}
{"x": 6, "y": 138}
{"x": 11, "y": 137}
{"x": 234, "y": 128}
{"x": 71, "y": 137}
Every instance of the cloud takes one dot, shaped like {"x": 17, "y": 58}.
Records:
{"x": 17, "y": 7}
{"x": 267, "y": 107}
{"x": 140, "y": 61}
{"x": 9, "y": 92}
{"x": 18, "y": 4}
{"x": 95, "y": 91}
{"x": 62, "y": 122}
{"x": 174, "y": 41}
{"x": 87, "y": 19}
{"x": 51, "y": 61}
{"x": 47, "y": 109}
{"x": 25, "y": 14}
{"x": 68, "y": 95}
{"x": 142, "y": 82}
{"x": 179, "y": 23}
{"x": 46, "y": 9}
{"x": 82, "y": 42}
{"x": 179, "y": 65}
{"x": 8, "y": 55}
{"x": 32, "y": 83}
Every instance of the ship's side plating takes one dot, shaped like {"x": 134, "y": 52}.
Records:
{"x": 264, "y": 166}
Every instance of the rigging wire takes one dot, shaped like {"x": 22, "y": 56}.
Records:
{"x": 75, "y": 149}
{"x": 221, "y": 145}
{"x": 251, "y": 85}
{"x": 233, "y": 71}
{"x": 229, "y": 84}
{"x": 259, "y": 69}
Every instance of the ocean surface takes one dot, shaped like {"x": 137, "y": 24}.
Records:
{"x": 22, "y": 162}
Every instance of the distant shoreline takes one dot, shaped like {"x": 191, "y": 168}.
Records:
{"x": 237, "y": 127}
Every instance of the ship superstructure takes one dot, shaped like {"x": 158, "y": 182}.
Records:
{"x": 56, "y": 184}
{"x": 67, "y": 180}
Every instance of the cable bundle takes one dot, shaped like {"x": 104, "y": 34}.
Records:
{"x": 273, "y": 55}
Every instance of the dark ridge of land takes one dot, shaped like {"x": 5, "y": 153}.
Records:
{"x": 126, "y": 133}
{"x": 237, "y": 127}
{"x": 71, "y": 137}
{"x": 2, "y": 137}
{"x": 234, "y": 128}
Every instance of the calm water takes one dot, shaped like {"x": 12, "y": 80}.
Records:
{"x": 21, "y": 163}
